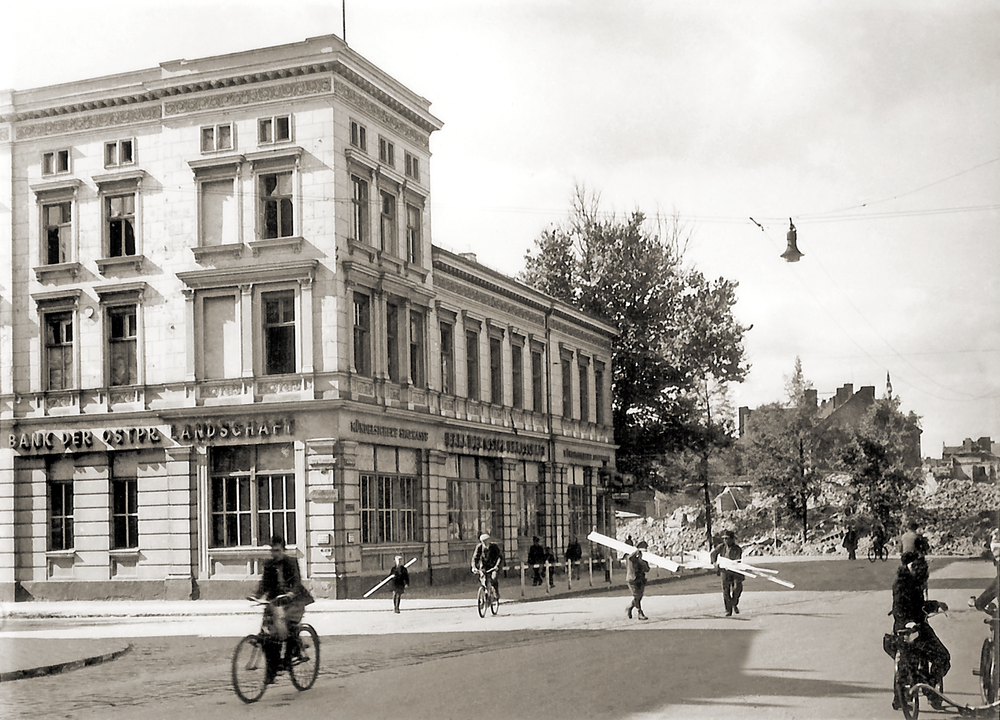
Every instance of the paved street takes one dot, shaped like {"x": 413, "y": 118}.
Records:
{"x": 811, "y": 652}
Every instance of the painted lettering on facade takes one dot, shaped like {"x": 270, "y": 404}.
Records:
{"x": 388, "y": 431}
{"x": 44, "y": 441}
{"x": 576, "y": 455}
{"x": 493, "y": 445}
{"x": 250, "y": 428}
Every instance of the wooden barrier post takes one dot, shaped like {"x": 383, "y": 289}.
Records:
{"x": 548, "y": 577}
{"x": 590, "y": 570}
{"x": 522, "y": 579}
{"x": 569, "y": 574}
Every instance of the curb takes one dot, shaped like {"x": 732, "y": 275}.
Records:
{"x": 57, "y": 668}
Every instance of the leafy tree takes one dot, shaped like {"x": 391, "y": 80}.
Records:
{"x": 796, "y": 385}
{"x": 678, "y": 342}
{"x": 876, "y": 458}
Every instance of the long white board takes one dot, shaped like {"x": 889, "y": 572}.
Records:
{"x": 618, "y": 545}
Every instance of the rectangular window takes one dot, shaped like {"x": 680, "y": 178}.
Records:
{"x": 417, "y": 349}
{"x": 120, "y": 224}
{"x": 59, "y": 351}
{"x": 252, "y": 494}
{"x": 536, "y": 381}
{"x": 413, "y": 224}
{"x": 599, "y": 393}
{"x": 447, "y": 359}
{"x": 387, "y": 226}
{"x": 359, "y": 136}
{"x": 279, "y": 332}
{"x": 472, "y": 363}
{"x": 392, "y": 340}
{"x": 217, "y": 137}
{"x": 577, "y": 510}
{"x": 584, "y": 393}
{"x": 119, "y": 153}
{"x": 517, "y": 375}
{"x": 55, "y": 162}
{"x": 359, "y": 207}
{"x": 61, "y": 515}
{"x": 412, "y": 166}
{"x": 276, "y": 205}
{"x": 567, "y": 387}
{"x": 218, "y": 213}
{"x": 390, "y": 508}
{"x": 124, "y": 512}
{"x": 496, "y": 371}
{"x": 386, "y": 152}
{"x": 274, "y": 129}
{"x": 221, "y": 351}
{"x": 57, "y": 222}
{"x": 362, "y": 335}
{"x": 474, "y": 500}
{"x": 122, "y": 338}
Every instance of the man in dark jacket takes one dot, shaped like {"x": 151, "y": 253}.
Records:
{"x": 913, "y": 541}
{"x": 574, "y": 553}
{"x": 488, "y": 558}
{"x": 536, "y": 559}
{"x": 908, "y": 606}
{"x": 635, "y": 576}
{"x": 282, "y": 581}
{"x": 732, "y": 582}
{"x": 400, "y": 579}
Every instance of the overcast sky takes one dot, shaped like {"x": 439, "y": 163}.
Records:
{"x": 874, "y": 126}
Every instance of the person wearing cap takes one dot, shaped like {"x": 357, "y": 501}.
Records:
{"x": 488, "y": 558}
{"x": 732, "y": 582}
{"x": 635, "y": 575}
{"x": 536, "y": 560}
{"x": 400, "y": 579}
{"x": 913, "y": 541}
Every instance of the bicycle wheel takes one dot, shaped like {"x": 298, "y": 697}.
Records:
{"x": 494, "y": 601}
{"x": 903, "y": 700}
{"x": 249, "y": 669}
{"x": 884, "y": 554}
{"x": 481, "y": 602}
{"x": 305, "y": 666}
{"x": 872, "y": 555}
{"x": 987, "y": 672}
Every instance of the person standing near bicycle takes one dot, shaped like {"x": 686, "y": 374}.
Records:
{"x": 908, "y": 606}
{"x": 281, "y": 579}
{"x": 488, "y": 559}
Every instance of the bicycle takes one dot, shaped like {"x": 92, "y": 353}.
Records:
{"x": 249, "y": 667}
{"x": 874, "y": 553}
{"x": 487, "y": 596}
{"x": 912, "y": 673}
{"x": 989, "y": 657}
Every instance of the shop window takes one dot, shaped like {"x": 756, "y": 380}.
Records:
{"x": 124, "y": 512}
{"x": 275, "y": 198}
{"x": 599, "y": 393}
{"x": 567, "y": 387}
{"x": 517, "y": 375}
{"x": 119, "y": 153}
{"x": 387, "y": 222}
{"x": 474, "y": 499}
{"x": 447, "y": 358}
{"x": 217, "y": 137}
{"x": 218, "y": 212}
{"x": 576, "y": 497}
{"x": 57, "y": 231}
{"x": 496, "y": 371}
{"x": 390, "y": 507}
{"x": 386, "y": 152}
{"x": 417, "y": 376}
{"x": 527, "y": 509}
{"x": 55, "y": 162}
{"x": 60, "y": 491}
{"x": 274, "y": 129}
{"x": 472, "y": 363}
{"x": 252, "y": 494}
{"x": 412, "y": 166}
{"x": 537, "y": 383}
{"x": 362, "y": 335}
{"x": 584, "y": 393}
{"x": 119, "y": 219}
{"x": 359, "y": 208}
{"x": 122, "y": 345}
{"x": 59, "y": 351}
{"x": 413, "y": 224}
{"x": 359, "y": 136}
{"x": 279, "y": 332}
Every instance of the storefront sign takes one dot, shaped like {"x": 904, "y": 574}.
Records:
{"x": 576, "y": 455}
{"x": 83, "y": 440}
{"x": 388, "y": 431}
{"x": 493, "y": 445}
{"x": 253, "y": 428}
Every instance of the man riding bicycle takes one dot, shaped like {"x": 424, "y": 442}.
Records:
{"x": 282, "y": 581}
{"x": 488, "y": 559}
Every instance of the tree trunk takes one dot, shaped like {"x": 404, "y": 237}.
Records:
{"x": 703, "y": 471}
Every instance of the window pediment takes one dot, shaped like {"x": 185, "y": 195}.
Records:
{"x": 228, "y": 277}
{"x": 67, "y": 187}
{"x": 224, "y": 165}
{"x": 285, "y": 155}
{"x": 119, "y": 180}
{"x": 121, "y": 292}
{"x": 57, "y": 300}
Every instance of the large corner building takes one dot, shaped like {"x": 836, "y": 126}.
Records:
{"x": 222, "y": 318}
